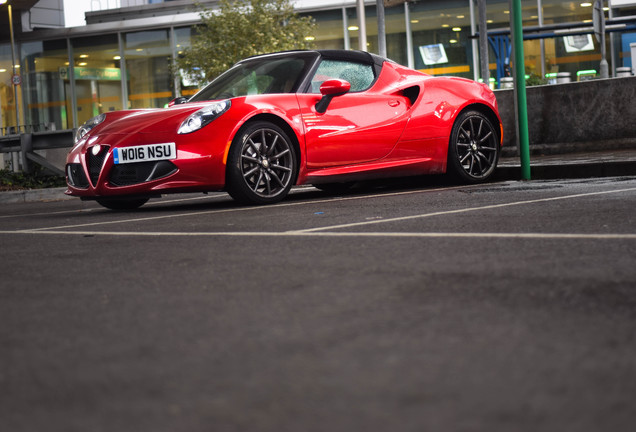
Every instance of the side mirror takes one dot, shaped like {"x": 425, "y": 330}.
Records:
{"x": 330, "y": 89}
{"x": 177, "y": 101}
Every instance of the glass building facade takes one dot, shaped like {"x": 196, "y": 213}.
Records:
{"x": 68, "y": 77}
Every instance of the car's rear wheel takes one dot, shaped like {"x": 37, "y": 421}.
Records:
{"x": 261, "y": 165}
{"x": 122, "y": 203}
{"x": 474, "y": 148}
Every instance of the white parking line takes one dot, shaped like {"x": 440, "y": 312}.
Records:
{"x": 23, "y": 215}
{"x": 318, "y": 231}
{"x": 563, "y": 236}
{"x": 243, "y": 209}
{"x": 464, "y": 210}
{"x": 89, "y": 210}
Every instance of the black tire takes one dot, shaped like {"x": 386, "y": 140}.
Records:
{"x": 122, "y": 203}
{"x": 261, "y": 164}
{"x": 473, "y": 150}
{"x": 334, "y": 187}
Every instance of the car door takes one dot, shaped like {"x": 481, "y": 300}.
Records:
{"x": 358, "y": 126}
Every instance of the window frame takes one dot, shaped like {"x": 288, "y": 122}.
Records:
{"x": 346, "y": 64}
{"x": 359, "y": 57}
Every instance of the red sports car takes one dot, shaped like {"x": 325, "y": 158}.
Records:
{"x": 328, "y": 118}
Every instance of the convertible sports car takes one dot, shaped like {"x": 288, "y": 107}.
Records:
{"x": 327, "y": 118}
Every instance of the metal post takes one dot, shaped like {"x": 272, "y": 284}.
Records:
{"x": 541, "y": 41}
{"x": 381, "y": 28}
{"x": 604, "y": 67}
{"x": 483, "y": 43}
{"x": 362, "y": 26}
{"x": 474, "y": 42}
{"x": 26, "y": 147}
{"x": 123, "y": 72}
{"x": 345, "y": 29}
{"x": 71, "y": 80}
{"x": 409, "y": 37}
{"x": 176, "y": 79}
{"x": 15, "y": 87}
{"x": 15, "y": 160}
{"x": 516, "y": 25}
{"x": 612, "y": 44}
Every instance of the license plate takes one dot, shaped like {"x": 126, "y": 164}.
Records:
{"x": 145, "y": 153}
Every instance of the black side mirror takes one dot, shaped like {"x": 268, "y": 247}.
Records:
{"x": 330, "y": 89}
{"x": 178, "y": 101}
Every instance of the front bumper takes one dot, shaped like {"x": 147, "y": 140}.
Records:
{"x": 91, "y": 171}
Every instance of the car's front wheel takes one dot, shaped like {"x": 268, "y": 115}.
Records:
{"x": 473, "y": 150}
{"x": 261, "y": 164}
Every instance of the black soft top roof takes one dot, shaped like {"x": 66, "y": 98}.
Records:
{"x": 345, "y": 55}
{"x": 360, "y": 56}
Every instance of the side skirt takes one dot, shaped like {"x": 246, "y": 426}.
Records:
{"x": 374, "y": 170}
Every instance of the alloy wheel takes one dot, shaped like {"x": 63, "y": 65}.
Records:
{"x": 476, "y": 148}
{"x": 266, "y": 162}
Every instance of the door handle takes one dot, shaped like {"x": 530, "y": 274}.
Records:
{"x": 394, "y": 103}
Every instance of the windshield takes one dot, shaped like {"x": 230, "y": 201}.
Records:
{"x": 258, "y": 76}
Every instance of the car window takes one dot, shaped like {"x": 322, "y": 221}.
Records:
{"x": 359, "y": 75}
{"x": 255, "y": 77}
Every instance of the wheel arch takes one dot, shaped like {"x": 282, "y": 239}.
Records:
{"x": 489, "y": 113}
{"x": 281, "y": 123}
{"x": 456, "y": 160}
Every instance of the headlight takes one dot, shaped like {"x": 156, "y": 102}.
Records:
{"x": 86, "y": 127}
{"x": 204, "y": 116}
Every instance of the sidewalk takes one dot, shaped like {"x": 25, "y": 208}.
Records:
{"x": 33, "y": 195}
{"x": 607, "y": 163}
{"x": 611, "y": 163}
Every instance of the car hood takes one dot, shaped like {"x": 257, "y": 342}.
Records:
{"x": 147, "y": 120}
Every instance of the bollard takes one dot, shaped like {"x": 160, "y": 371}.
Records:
{"x": 26, "y": 147}
{"x": 623, "y": 72}
{"x": 564, "y": 77}
{"x": 507, "y": 82}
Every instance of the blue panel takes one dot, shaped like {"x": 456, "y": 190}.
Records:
{"x": 627, "y": 38}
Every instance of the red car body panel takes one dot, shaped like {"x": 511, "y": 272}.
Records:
{"x": 401, "y": 125}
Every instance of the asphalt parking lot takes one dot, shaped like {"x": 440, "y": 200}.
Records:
{"x": 415, "y": 306}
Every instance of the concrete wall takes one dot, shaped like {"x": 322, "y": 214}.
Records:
{"x": 580, "y": 116}
{"x": 44, "y": 14}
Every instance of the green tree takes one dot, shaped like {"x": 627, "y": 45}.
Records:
{"x": 240, "y": 29}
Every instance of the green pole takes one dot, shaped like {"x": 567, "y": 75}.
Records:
{"x": 522, "y": 103}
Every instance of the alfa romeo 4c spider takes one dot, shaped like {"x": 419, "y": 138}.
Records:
{"x": 327, "y": 118}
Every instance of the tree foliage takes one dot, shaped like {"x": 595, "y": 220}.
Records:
{"x": 240, "y": 29}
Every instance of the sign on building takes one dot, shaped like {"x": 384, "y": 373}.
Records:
{"x": 622, "y": 3}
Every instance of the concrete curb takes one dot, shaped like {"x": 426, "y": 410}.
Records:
{"x": 569, "y": 171}
{"x": 571, "y": 166}
{"x": 34, "y": 195}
